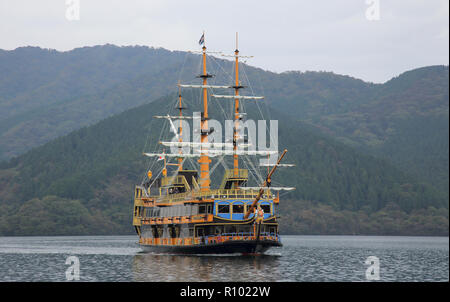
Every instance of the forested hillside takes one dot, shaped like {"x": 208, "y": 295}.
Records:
{"x": 370, "y": 158}
{"x": 45, "y": 94}
{"x": 405, "y": 121}
{"x": 93, "y": 171}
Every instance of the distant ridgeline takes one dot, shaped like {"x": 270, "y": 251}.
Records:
{"x": 370, "y": 158}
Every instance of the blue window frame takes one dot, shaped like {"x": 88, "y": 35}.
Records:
{"x": 238, "y": 210}
{"x": 222, "y": 209}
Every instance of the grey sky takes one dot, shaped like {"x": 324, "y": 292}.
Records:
{"x": 319, "y": 35}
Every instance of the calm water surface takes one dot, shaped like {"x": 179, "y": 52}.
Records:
{"x": 302, "y": 258}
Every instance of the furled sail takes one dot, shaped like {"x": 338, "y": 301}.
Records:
{"x": 279, "y": 165}
{"x": 268, "y": 188}
{"x": 245, "y": 97}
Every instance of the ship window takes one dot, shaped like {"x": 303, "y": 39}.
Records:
{"x": 202, "y": 209}
{"x": 154, "y": 232}
{"x": 266, "y": 208}
{"x": 230, "y": 229}
{"x": 205, "y": 209}
{"x": 224, "y": 208}
{"x": 138, "y": 211}
{"x": 243, "y": 229}
{"x": 219, "y": 229}
{"x": 200, "y": 232}
{"x": 238, "y": 208}
{"x": 174, "y": 231}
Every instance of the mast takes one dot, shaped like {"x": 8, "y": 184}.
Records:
{"x": 180, "y": 138}
{"x": 204, "y": 160}
{"x": 236, "y": 112}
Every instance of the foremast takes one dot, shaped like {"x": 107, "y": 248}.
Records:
{"x": 205, "y": 180}
{"x": 180, "y": 126}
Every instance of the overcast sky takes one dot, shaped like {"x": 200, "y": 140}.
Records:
{"x": 373, "y": 40}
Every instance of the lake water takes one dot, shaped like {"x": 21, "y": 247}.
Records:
{"x": 302, "y": 258}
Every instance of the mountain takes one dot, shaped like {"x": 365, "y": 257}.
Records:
{"x": 82, "y": 183}
{"x": 45, "y": 94}
{"x": 371, "y": 158}
{"x": 405, "y": 120}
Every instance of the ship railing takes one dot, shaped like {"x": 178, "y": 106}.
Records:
{"x": 214, "y": 194}
{"x": 212, "y": 239}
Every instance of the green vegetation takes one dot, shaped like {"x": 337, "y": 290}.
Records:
{"x": 47, "y": 94}
{"x": 370, "y": 158}
{"x": 305, "y": 217}
{"x": 406, "y": 122}
{"x": 96, "y": 167}
{"x": 56, "y": 216}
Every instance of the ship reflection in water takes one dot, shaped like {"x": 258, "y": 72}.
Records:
{"x": 206, "y": 268}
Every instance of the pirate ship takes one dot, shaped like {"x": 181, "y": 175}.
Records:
{"x": 178, "y": 211}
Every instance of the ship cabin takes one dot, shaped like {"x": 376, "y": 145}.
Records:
{"x": 173, "y": 207}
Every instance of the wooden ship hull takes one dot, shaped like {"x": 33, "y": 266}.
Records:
{"x": 205, "y": 225}
{"x": 229, "y": 247}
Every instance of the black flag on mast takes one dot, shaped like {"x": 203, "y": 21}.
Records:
{"x": 202, "y": 40}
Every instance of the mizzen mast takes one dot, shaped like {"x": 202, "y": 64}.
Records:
{"x": 180, "y": 135}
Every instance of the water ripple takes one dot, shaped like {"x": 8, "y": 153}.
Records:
{"x": 302, "y": 258}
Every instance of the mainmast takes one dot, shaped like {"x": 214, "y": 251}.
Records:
{"x": 204, "y": 160}
{"x": 236, "y": 112}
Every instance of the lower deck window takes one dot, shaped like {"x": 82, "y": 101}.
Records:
{"x": 238, "y": 208}
{"x": 205, "y": 209}
{"x": 266, "y": 208}
{"x": 224, "y": 209}
{"x": 200, "y": 232}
